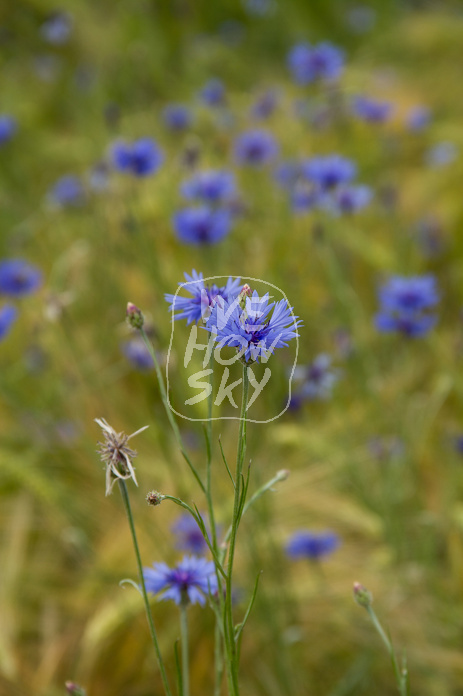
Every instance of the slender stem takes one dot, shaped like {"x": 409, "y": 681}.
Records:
{"x": 184, "y": 641}
{"x": 218, "y": 659}
{"x": 401, "y": 678}
{"x": 149, "y": 616}
{"x": 169, "y": 412}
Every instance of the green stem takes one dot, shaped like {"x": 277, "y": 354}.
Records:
{"x": 169, "y": 412}
{"x": 149, "y": 616}
{"x": 401, "y": 677}
{"x": 184, "y": 641}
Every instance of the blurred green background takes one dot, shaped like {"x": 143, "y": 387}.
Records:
{"x": 398, "y": 510}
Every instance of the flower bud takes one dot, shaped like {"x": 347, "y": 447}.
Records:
{"x": 362, "y": 596}
{"x": 134, "y": 316}
{"x": 283, "y": 474}
{"x": 154, "y": 498}
{"x": 245, "y": 292}
{"x": 74, "y": 689}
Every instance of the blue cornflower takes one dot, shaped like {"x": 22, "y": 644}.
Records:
{"x": 441, "y": 154}
{"x": 202, "y": 225}
{"x": 57, "y": 28}
{"x": 329, "y": 171}
{"x": 67, "y": 191}
{"x": 255, "y": 329}
{"x": 177, "y": 117}
{"x": 304, "y": 197}
{"x": 349, "y": 199}
{"x": 312, "y": 545}
{"x": 210, "y": 186}
{"x": 404, "y": 303}
{"x": 318, "y": 379}
{"x": 203, "y": 297}
{"x": 138, "y": 354}
{"x": 213, "y": 93}
{"x": 418, "y": 118}
{"x": 140, "y": 158}
{"x": 321, "y": 62}
{"x": 372, "y": 110}
{"x": 8, "y": 127}
{"x": 265, "y": 105}
{"x": 255, "y": 147}
{"x": 190, "y": 537}
{"x": 288, "y": 174}
{"x": 18, "y": 278}
{"x": 190, "y": 581}
{"x": 8, "y": 315}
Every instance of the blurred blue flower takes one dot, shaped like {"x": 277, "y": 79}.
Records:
{"x": 202, "y": 225}
{"x": 67, "y": 191}
{"x": 430, "y": 236}
{"x": 190, "y": 581}
{"x": 98, "y": 177}
{"x": 304, "y": 198}
{"x": 329, "y": 171}
{"x": 349, "y": 199}
{"x": 8, "y": 127}
{"x": 255, "y": 147}
{"x": 265, "y": 105}
{"x": 441, "y": 154}
{"x": 403, "y": 305}
{"x": 321, "y": 62}
{"x": 177, "y": 117}
{"x": 372, "y": 110}
{"x": 8, "y": 315}
{"x": 190, "y": 537}
{"x": 203, "y": 297}
{"x": 138, "y": 354}
{"x": 316, "y": 381}
{"x": 418, "y": 118}
{"x": 259, "y": 8}
{"x": 140, "y": 158}
{"x": 57, "y": 28}
{"x": 255, "y": 330}
{"x": 311, "y": 545}
{"x": 458, "y": 442}
{"x": 361, "y": 18}
{"x": 288, "y": 173}
{"x": 210, "y": 186}
{"x": 213, "y": 93}
{"x": 18, "y": 278}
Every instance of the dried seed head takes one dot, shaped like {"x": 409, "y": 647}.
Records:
{"x": 116, "y": 455}
{"x": 154, "y": 498}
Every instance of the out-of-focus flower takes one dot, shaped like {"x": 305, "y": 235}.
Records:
{"x": 98, "y": 177}
{"x": 321, "y": 62}
{"x": 430, "y": 236}
{"x": 140, "y": 158}
{"x": 386, "y": 448}
{"x": 18, "y": 278}
{"x": 311, "y": 545}
{"x": 329, "y": 171}
{"x": 116, "y": 454}
{"x": 441, "y": 154}
{"x": 418, "y": 118}
{"x": 372, "y": 110}
{"x": 349, "y": 199}
{"x": 177, "y": 117}
{"x": 213, "y": 93}
{"x": 361, "y": 19}
{"x": 8, "y": 315}
{"x": 8, "y": 127}
{"x": 203, "y": 297}
{"x": 316, "y": 381}
{"x": 304, "y": 197}
{"x": 202, "y": 225}
{"x": 210, "y": 186}
{"x": 189, "y": 536}
{"x": 255, "y": 148}
{"x": 57, "y": 28}
{"x": 253, "y": 325}
{"x": 265, "y": 105}
{"x": 137, "y": 354}
{"x": 191, "y": 581}
{"x": 67, "y": 191}
{"x": 259, "y": 8}
{"x": 404, "y": 303}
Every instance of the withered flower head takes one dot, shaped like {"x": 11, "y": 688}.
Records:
{"x": 115, "y": 453}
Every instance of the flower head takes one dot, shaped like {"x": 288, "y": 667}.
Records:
{"x": 57, "y": 28}
{"x": 190, "y": 537}
{"x": 190, "y": 581}
{"x": 202, "y": 225}
{"x": 210, "y": 186}
{"x": 8, "y": 315}
{"x": 140, "y": 158}
{"x": 18, "y": 278}
{"x": 321, "y": 62}
{"x": 177, "y": 117}
{"x": 8, "y": 127}
{"x": 137, "y": 354}
{"x": 253, "y": 325}
{"x": 319, "y": 378}
{"x": 115, "y": 453}
{"x": 311, "y": 545}
{"x": 67, "y": 191}
{"x": 349, "y": 199}
{"x": 418, "y": 118}
{"x": 372, "y": 110}
{"x": 265, "y": 105}
{"x": 255, "y": 148}
{"x": 404, "y": 303}
{"x": 203, "y": 297}
{"x": 329, "y": 171}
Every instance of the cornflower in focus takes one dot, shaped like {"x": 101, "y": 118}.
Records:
{"x": 18, "y": 278}
{"x": 311, "y": 545}
{"x": 255, "y": 148}
{"x": 202, "y": 299}
{"x": 202, "y": 225}
{"x": 191, "y": 581}
{"x": 116, "y": 455}
{"x": 404, "y": 305}
{"x": 8, "y": 315}
{"x": 140, "y": 158}
{"x": 321, "y": 62}
{"x": 189, "y": 536}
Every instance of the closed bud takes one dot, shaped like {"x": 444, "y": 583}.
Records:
{"x": 362, "y": 596}
{"x": 283, "y": 474}
{"x": 245, "y": 292}
{"x": 74, "y": 689}
{"x": 134, "y": 316}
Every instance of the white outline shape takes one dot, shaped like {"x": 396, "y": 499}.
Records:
{"x": 205, "y": 420}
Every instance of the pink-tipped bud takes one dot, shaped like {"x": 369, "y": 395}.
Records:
{"x": 74, "y": 689}
{"x": 362, "y": 596}
{"x": 245, "y": 292}
{"x": 134, "y": 316}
